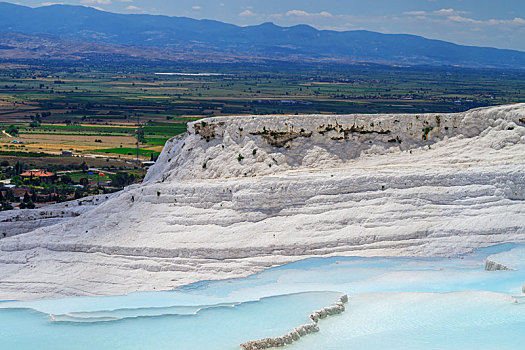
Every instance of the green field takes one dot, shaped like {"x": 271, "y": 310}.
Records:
{"x": 84, "y": 95}
{"x": 98, "y": 108}
{"x": 128, "y": 151}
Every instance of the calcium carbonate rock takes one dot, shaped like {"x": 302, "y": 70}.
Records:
{"x": 299, "y": 332}
{"x": 16, "y": 222}
{"x": 276, "y": 189}
{"x": 294, "y": 142}
{"x": 494, "y": 266}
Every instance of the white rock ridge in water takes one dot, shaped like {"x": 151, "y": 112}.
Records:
{"x": 513, "y": 259}
{"x": 301, "y": 331}
{"x": 236, "y": 195}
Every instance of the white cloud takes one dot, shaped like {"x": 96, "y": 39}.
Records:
{"x": 301, "y": 13}
{"x": 297, "y": 13}
{"x": 442, "y": 12}
{"x": 447, "y": 12}
{"x": 415, "y": 13}
{"x": 247, "y": 13}
{"x": 451, "y": 15}
{"x": 515, "y": 22}
{"x": 101, "y": 2}
{"x": 196, "y": 8}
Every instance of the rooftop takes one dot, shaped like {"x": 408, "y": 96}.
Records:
{"x": 37, "y": 173}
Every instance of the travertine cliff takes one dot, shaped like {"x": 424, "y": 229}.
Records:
{"x": 260, "y": 145}
{"x": 238, "y": 194}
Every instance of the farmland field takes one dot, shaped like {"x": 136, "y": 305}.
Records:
{"x": 67, "y": 106}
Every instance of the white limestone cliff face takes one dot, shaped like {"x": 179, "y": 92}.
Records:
{"x": 318, "y": 141}
{"x": 236, "y": 195}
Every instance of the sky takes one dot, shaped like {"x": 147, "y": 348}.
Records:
{"x": 495, "y": 23}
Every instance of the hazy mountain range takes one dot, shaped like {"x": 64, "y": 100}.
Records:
{"x": 77, "y": 32}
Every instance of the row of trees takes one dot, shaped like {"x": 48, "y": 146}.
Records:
{"x": 12, "y": 130}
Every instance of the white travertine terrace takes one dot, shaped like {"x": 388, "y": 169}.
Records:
{"x": 276, "y": 342}
{"x": 236, "y": 195}
{"x": 513, "y": 259}
{"x": 15, "y": 222}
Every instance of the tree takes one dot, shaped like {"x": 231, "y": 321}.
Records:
{"x": 140, "y": 135}
{"x": 84, "y": 167}
{"x": 123, "y": 179}
{"x": 6, "y": 206}
{"x": 19, "y": 168}
{"x": 10, "y": 196}
{"x": 12, "y": 130}
{"x": 66, "y": 179}
{"x": 84, "y": 181}
{"x": 78, "y": 194}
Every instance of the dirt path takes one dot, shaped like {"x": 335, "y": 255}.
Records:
{"x": 6, "y": 134}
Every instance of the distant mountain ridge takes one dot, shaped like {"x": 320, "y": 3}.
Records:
{"x": 211, "y": 39}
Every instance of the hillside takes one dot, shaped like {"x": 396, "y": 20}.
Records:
{"x": 235, "y": 195}
{"x": 207, "y": 40}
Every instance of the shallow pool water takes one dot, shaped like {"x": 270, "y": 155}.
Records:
{"x": 395, "y": 303}
{"x": 213, "y": 327}
{"x": 405, "y": 321}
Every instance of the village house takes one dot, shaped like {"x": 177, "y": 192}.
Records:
{"x": 40, "y": 175}
{"x": 19, "y": 193}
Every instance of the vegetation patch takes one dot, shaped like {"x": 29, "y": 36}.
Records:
{"x": 26, "y": 154}
{"x": 206, "y": 130}
{"x": 281, "y": 138}
{"x": 347, "y": 131}
{"x": 128, "y": 151}
{"x": 427, "y": 131}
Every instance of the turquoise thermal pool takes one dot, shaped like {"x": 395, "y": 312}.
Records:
{"x": 395, "y": 303}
